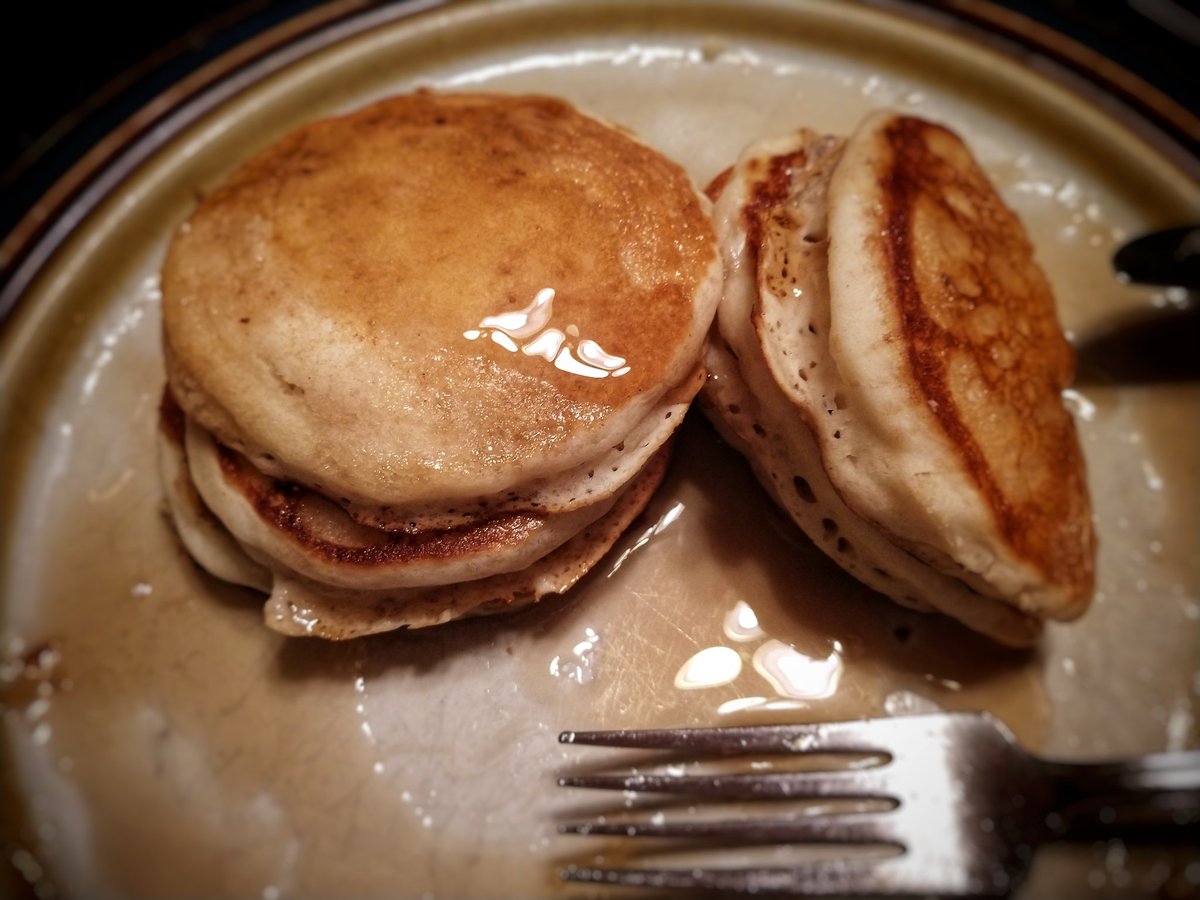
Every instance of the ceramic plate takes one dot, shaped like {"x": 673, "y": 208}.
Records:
{"x": 161, "y": 742}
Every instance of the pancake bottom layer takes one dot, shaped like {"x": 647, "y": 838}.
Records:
{"x": 303, "y": 606}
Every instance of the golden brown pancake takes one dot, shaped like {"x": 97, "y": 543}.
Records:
{"x": 300, "y": 607}
{"x": 201, "y": 532}
{"x": 427, "y": 357}
{"x": 888, "y": 358}
{"x": 978, "y": 356}
{"x": 298, "y": 530}
{"x": 441, "y": 302}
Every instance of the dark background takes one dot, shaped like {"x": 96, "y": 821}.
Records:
{"x": 71, "y": 71}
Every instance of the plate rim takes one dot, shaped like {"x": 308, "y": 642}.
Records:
{"x": 232, "y": 65}
{"x": 29, "y": 248}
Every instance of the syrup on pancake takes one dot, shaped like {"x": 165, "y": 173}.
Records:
{"x": 429, "y": 356}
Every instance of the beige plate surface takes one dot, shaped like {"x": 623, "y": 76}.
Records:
{"x": 162, "y": 742}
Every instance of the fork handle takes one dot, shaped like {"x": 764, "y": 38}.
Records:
{"x": 1152, "y": 798}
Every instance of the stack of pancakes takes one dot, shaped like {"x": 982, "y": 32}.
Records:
{"x": 888, "y": 358}
{"x": 424, "y": 360}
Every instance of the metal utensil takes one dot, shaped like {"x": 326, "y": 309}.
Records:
{"x": 969, "y": 805}
{"x": 1169, "y": 257}
{"x": 1150, "y": 345}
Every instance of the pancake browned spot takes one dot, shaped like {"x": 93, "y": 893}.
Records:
{"x": 300, "y": 607}
{"x": 984, "y": 345}
{"x": 292, "y": 509}
{"x": 299, "y": 530}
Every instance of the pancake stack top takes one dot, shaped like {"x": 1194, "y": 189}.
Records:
{"x": 423, "y": 359}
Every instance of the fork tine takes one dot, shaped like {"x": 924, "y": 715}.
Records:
{"x": 830, "y": 878}
{"x": 829, "y": 737}
{"x": 846, "y": 828}
{"x": 859, "y": 783}
{"x": 946, "y": 773}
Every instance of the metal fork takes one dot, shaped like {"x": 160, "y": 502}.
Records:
{"x": 970, "y": 805}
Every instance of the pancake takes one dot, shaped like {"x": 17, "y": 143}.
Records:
{"x": 202, "y": 534}
{"x": 424, "y": 360}
{"x": 423, "y": 309}
{"x": 887, "y": 356}
{"x": 299, "y": 530}
{"x": 302, "y": 606}
{"x": 982, "y": 355}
